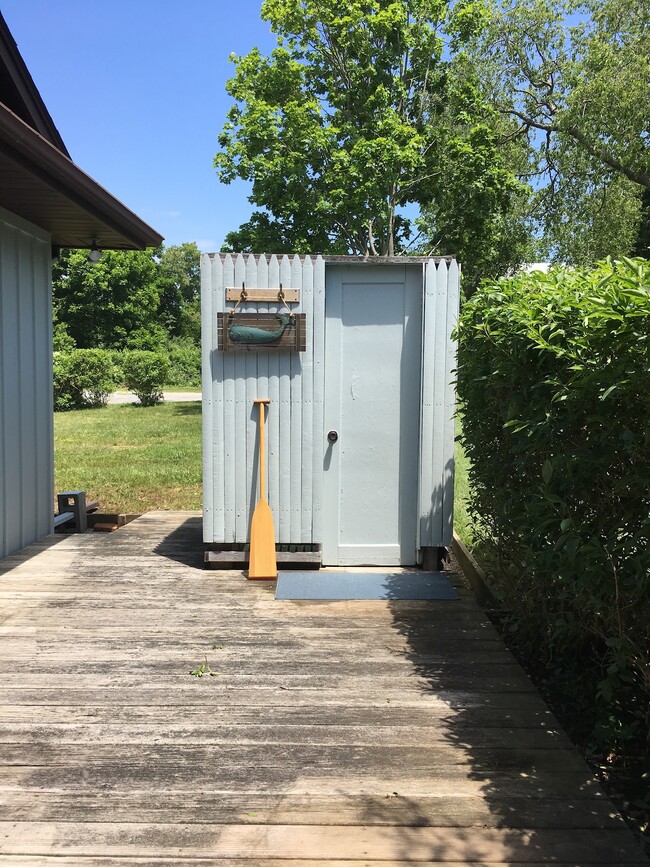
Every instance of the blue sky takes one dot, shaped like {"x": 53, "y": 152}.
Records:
{"x": 137, "y": 90}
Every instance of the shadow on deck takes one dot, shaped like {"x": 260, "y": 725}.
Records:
{"x": 184, "y": 544}
{"x": 538, "y": 798}
{"x": 339, "y": 733}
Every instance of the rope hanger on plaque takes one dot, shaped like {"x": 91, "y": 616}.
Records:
{"x": 253, "y": 334}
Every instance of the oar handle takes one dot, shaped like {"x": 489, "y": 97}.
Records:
{"x": 262, "y": 401}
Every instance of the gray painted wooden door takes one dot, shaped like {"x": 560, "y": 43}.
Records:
{"x": 373, "y": 340}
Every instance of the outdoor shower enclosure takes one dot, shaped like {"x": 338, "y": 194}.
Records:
{"x": 360, "y": 424}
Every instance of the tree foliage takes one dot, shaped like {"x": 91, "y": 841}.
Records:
{"x": 575, "y": 77}
{"x": 102, "y": 303}
{"x": 179, "y": 284}
{"x": 360, "y": 111}
{"x": 129, "y": 299}
{"x": 511, "y": 130}
{"x": 480, "y": 210}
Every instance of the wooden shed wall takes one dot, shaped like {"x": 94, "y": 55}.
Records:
{"x": 294, "y": 382}
{"x": 437, "y": 425}
{"x": 26, "y": 415}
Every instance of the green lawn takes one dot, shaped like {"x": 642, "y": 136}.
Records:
{"x": 133, "y": 458}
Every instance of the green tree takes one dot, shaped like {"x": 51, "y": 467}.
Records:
{"x": 479, "y": 209}
{"x": 265, "y": 233}
{"x": 61, "y": 340}
{"x": 101, "y": 304}
{"x": 179, "y": 284}
{"x": 642, "y": 246}
{"x": 575, "y": 76}
{"x": 347, "y": 122}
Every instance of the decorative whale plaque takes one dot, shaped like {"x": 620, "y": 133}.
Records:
{"x": 293, "y": 339}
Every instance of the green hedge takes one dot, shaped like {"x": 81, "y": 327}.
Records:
{"x": 145, "y": 374}
{"x": 554, "y": 383}
{"x": 83, "y": 378}
{"x": 185, "y": 365}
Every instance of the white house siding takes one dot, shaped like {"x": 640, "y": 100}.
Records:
{"x": 26, "y": 418}
{"x": 294, "y": 382}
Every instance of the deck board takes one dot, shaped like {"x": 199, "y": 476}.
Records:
{"x": 345, "y": 734}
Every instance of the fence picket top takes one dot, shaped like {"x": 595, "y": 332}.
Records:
{"x": 356, "y": 260}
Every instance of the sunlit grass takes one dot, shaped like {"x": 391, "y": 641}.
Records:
{"x": 134, "y": 459}
{"x": 462, "y": 524}
{"x": 131, "y": 458}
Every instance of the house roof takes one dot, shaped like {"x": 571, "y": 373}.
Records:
{"x": 39, "y": 181}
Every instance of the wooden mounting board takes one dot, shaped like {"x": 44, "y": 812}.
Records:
{"x": 291, "y": 296}
{"x": 293, "y": 339}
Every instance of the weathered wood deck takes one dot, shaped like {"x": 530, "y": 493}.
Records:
{"x": 332, "y": 734}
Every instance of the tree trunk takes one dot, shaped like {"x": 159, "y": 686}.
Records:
{"x": 389, "y": 247}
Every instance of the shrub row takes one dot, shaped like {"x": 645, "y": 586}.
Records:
{"x": 86, "y": 377}
{"x": 554, "y": 384}
{"x": 83, "y": 378}
{"x": 185, "y": 365}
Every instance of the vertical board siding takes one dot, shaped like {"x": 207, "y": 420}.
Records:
{"x": 307, "y": 434}
{"x": 43, "y": 397}
{"x": 297, "y": 390}
{"x": 449, "y": 435}
{"x": 439, "y": 357}
{"x": 294, "y": 383}
{"x": 226, "y": 471}
{"x": 242, "y": 414}
{"x": 232, "y": 381}
{"x": 426, "y": 410}
{"x": 210, "y": 373}
{"x": 438, "y": 405}
{"x": 286, "y": 455}
{"x": 273, "y": 418}
{"x": 12, "y": 494}
{"x": 318, "y": 339}
{"x": 26, "y": 413}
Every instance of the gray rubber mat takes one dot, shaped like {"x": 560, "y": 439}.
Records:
{"x": 364, "y": 585}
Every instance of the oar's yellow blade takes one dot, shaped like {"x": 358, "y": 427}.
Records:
{"x": 262, "y": 559}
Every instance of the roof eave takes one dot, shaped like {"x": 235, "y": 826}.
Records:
{"x": 35, "y": 154}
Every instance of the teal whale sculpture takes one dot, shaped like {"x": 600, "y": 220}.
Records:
{"x": 251, "y": 334}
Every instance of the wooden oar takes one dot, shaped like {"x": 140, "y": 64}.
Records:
{"x": 262, "y": 560}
